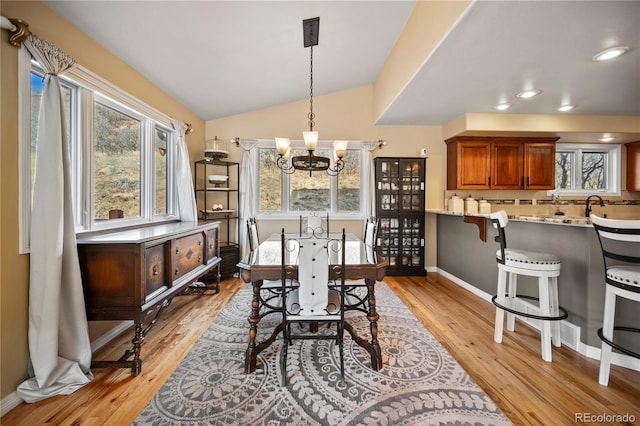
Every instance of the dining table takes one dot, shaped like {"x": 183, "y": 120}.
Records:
{"x": 363, "y": 268}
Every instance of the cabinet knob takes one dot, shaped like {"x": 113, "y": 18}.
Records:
{"x": 155, "y": 270}
{"x": 199, "y": 259}
{"x": 176, "y": 271}
{"x": 177, "y": 251}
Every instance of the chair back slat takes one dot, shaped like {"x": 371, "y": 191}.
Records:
{"x": 313, "y": 276}
{"x": 252, "y": 233}
{"x": 619, "y": 240}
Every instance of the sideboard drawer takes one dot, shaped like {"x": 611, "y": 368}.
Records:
{"x": 156, "y": 271}
{"x": 187, "y": 253}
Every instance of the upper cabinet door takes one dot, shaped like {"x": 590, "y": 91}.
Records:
{"x": 507, "y": 165}
{"x": 539, "y": 166}
{"x": 469, "y": 165}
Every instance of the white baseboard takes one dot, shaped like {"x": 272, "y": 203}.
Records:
{"x": 109, "y": 335}
{"x": 9, "y": 402}
{"x": 570, "y": 333}
{"x": 12, "y": 400}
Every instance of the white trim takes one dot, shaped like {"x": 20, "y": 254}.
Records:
{"x": 24, "y": 154}
{"x": 583, "y": 349}
{"x": 86, "y": 78}
{"x": 613, "y": 168}
{"x": 9, "y": 402}
{"x": 110, "y": 335}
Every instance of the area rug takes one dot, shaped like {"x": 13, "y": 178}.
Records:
{"x": 419, "y": 384}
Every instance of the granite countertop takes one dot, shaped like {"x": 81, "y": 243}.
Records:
{"x": 555, "y": 220}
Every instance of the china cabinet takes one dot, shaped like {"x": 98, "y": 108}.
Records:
{"x": 216, "y": 185}
{"x": 400, "y": 203}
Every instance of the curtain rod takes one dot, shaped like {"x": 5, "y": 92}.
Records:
{"x": 18, "y": 30}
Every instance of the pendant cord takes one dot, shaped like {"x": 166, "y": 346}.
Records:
{"x": 311, "y": 115}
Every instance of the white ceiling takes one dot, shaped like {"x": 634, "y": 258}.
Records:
{"x": 220, "y": 58}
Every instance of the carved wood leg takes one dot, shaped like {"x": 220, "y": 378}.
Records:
{"x": 252, "y": 354}
{"x": 373, "y": 316}
{"x": 138, "y": 340}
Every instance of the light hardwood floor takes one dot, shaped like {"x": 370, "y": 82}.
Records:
{"x": 528, "y": 390}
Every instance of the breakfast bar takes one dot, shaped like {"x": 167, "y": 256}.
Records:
{"x": 581, "y": 283}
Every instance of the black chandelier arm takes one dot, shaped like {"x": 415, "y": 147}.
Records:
{"x": 284, "y": 165}
{"x": 335, "y": 171}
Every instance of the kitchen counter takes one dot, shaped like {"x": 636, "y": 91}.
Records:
{"x": 472, "y": 263}
{"x": 558, "y": 220}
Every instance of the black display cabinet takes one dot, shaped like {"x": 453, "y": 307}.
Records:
{"x": 400, "y": 206}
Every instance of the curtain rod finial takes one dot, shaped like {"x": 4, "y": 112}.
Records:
{"x": 189, "y": 128}
{"x": 20, "y": 33}
{"x": 381, "y": 143}
{"x": 236, "y": 141}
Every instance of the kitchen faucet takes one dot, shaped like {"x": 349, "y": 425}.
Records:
{"x": 587, "y": 210}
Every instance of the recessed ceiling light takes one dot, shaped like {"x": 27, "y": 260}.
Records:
{"x": 502, "y": 106}
{"x": 606, "y": 138}
{"x": 614, "y": 52}
{"x": 528, "y": 94}
{"x": 566, "y": 107}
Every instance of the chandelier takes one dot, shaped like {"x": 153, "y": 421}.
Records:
{"x": 310, "y": 162}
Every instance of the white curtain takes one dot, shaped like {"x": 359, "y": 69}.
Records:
{"x": 59, "y": 347}
{"x": 187, "y": 208}
{"x": 248, "y": 208}
{"x": 370, "y": 206}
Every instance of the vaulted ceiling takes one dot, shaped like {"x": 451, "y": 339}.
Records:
{"x": 220, "y": 58}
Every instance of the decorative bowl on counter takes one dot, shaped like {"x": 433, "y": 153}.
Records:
{"x": 217, "y": 179}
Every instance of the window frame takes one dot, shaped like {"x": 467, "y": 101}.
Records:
{"x": 613, "y": 172}
{"x": 88, "y": 87}
{"x": 285, "y": 213}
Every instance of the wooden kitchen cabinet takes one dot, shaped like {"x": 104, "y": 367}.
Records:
{"x": 479, "y": 162}
{"x": 633, "y": 166}
{"x": 134, "y": 275}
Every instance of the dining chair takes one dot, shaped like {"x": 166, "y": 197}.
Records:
{"x": 371, "y": 231}
{"x": 270, "y": 294}
{"x": 314, "y": 224}
{"x": 252, "y": 233}
{"x": 620, "y": 245}
{"x": 317, "y": 296}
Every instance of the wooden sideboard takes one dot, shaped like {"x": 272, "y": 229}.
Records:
{"x": 130, "y": 275}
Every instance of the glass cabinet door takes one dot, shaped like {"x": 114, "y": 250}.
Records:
{"x": 388, "y": 185}
{"x": 412, "y": 185}
{"x": 388, "y": 240}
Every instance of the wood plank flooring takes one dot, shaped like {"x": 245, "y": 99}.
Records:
{"x": 528, "y": 390}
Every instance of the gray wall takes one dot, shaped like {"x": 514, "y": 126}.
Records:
{"x": 581, "y": 282}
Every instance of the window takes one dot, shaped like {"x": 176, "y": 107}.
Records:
{"x": 284, "y": 194}
{"x": 587, "y": 168}
{"x": 121, "y": 151}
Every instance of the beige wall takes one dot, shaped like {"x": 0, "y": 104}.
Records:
{"x": 14, "y": 268}
{"x": 343, "y": 115}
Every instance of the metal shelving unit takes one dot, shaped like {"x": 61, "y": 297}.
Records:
{"x": 226, "y": 195}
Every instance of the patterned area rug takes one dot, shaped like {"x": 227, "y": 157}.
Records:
{"x": 419, "y": 384}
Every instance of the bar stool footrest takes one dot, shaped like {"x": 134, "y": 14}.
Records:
{"x": 563, "y": 312}
{"x": 617, "y": 346}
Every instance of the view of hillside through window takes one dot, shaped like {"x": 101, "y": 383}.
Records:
{"x": 308, "y": 193}
{"x": 116, "y": 161}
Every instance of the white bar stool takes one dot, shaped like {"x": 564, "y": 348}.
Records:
{"x": 544, "y": 266}
{"x": 620, "y": 244}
